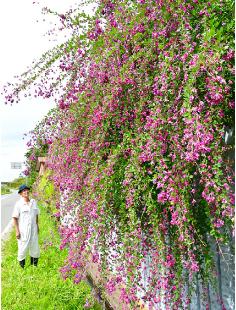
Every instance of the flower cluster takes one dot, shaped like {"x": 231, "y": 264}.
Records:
{"x": 137, "y": 147}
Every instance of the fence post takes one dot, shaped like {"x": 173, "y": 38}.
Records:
{"x": 219, "y": 271}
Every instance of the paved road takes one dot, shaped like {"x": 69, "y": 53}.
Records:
{"x": 7, "y": 204}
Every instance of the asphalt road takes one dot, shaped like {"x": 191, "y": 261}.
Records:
{"x": 7, "y": 204}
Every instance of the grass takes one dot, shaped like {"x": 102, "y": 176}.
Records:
{"x": 5, "y": 190}
{"x": 41, "y": 287}
{"x": 7, "y": 187}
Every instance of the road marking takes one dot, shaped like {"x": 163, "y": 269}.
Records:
{"x": 7, "y": 230}
{"x": 8, "y": 195}
{"x": 5, "y": 196}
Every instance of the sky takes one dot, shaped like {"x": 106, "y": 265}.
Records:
{"x": 23, "y": 40}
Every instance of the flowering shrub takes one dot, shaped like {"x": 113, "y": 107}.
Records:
{"x": 137, "y": 142}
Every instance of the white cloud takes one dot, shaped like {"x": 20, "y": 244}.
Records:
{"x": 23, "y": 41}
{"x": 17, "y": 120}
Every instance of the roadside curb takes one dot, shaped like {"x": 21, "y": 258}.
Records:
{"x": 6, "y": 232}
{"x": 5, "y": 235}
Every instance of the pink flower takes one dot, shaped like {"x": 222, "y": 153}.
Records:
{"x": 87, "y": 304}
{"x": 95, "y": 257}
{"x": 194, "y": 266}
{"x": 219, "y": 223}
{"x": 162, "y": 197}
{"x": 174, "y": 218}
{"x": 57, "y": 214}
{"x": 194, "y": 60}
{"x": 229, "y": 55}
{"x": 110, "y": 286}
{"x": 155, "y": 35}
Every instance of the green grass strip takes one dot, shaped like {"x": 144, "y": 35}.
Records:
{"x": 41, "y": 287}
{"x": 5, "y": 190}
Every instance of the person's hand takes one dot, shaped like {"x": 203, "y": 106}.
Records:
{"x": 17, "y": 235}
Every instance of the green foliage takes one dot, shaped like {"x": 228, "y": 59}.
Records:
{"x": 137, "y": 142}
{"x": 41, "y": 287}
{"x": 5, "y": 189}
{"x": 17, "y": 182}
{"x": 13, "y": 185}
{"x": 46, "y": 192}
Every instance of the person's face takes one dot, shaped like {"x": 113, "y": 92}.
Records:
{"x": 25, "y": 193}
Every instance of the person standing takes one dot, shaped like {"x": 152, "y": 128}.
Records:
{"x": 25, "y": 219}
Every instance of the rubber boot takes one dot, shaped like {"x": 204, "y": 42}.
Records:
{"x": 22, "y": 263}
{"x": 33, "y": 261}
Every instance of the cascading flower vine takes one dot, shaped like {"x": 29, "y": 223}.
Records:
{"x": 140, "y": 155}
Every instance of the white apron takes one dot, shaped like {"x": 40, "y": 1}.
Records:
{"x": 26, "y": 214}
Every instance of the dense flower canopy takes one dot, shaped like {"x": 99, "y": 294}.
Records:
{"x": 137, "y": 143}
